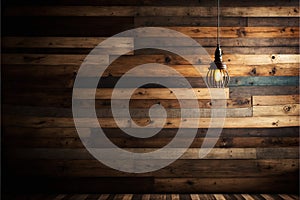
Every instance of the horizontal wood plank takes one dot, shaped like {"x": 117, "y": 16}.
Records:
{"x": 47, "y": 72}
{"x": 153, "y": 93}
{"x": 225, "y": 185}
{"x": 82, "y": 154}
{"x": 44, "y": 59}
{"x": 147, "y": 103}
{"x": 66, "y": 26}
{"x": 38, "y": 59}
{"x": 250, "y": 134}
{"x": 263, "y": 90}
{"x": 246, "y": 122}
{"x": 59, "y": 141}
{"x": 134, "y": 112}
{"x": 63, "y": 42}
{"x": 227, "y": 32}
{"x": 288, "y": 109}
{"x": 221, "y": 168}
{"x": 238, "y": 59}
{"x": 275, "y": 100}
{"x": 191, "y": 153}
{"x": 91, "y": 42}
{"x": 244, "y": 3}
{"x": 151, "y": 11}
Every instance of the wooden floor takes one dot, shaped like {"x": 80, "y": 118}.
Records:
{"x": 154, "y": 197}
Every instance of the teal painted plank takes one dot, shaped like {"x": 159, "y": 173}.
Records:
{"x": 264, "y": 81}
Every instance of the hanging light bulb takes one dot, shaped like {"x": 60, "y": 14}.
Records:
{"x": 217, "y": 75}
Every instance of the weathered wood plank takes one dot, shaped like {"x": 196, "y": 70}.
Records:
{"x": 270, "y": 153}
{"x": 142, "y": 21}
{"x": 244, "y": 102}
{"x": 254, "y": 133}
{"x": 62, "y": 97}
{"x": 272, "y": 21}
{"x": 29, "y": 82}
{"x": 211, "y": 11}
{"x": 288, "y": 109}
{"x": 84, "y": 185}
{"x": 246, "y": 122}
{"x": 156, "y": 142}
{"x": 190, "y": 169}
{"x": 275, "y": 100}
{"x": 42, "y": 59}
{"x": 151, "y": 11}
{"x": 240, "y": 59}
{"x": 241, "y": 185}
{"x": 264, "y": 81}
{"x": 226, "y": 50}
{"x": 122, "y": 112}
{"x": 244, "y": 3}
{"x": 91, "y": 42}
{"x": 225, "y": 42}
{"x": 152, "y": 93}
{"x": 50, "y": 73}
{"x": 66, "y": 26}
{"x": 263, "y": 90}
{"x": 62, "y": 42}
{"x": 191, "y": 153}
{"x": 48, "y": 59}
{"x": 227, "y": 32}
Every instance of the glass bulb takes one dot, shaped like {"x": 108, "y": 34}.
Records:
{"x": 217, "y": 75}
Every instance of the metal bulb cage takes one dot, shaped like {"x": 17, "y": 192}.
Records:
{"x": 217, "y": 75}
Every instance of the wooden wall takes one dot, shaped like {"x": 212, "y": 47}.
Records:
{"x": 44, "y": 43}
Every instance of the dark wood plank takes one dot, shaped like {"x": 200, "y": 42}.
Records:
{"x": 226, "y": 185}
{"x": 222, "y": 142}
{"x": 291, "y": 11}
{"x": 243, "y": 3}
{"x": 66, "y": 26}
{"x": 86, "y": 185}
{"x": 234, "y": 169}
{"x": 47, "y": 133}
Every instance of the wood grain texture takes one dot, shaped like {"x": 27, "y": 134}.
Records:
{"x": 45, "y": 42}
{"x": 228, "y": 32}
{"x": 134, "y": 112}
{"x": 151, "y": 11}
{"x": 47, "y": 133}
{"x": 29, "y": 76}
{"x": 61, "y": 141}
{"x": 275, "y": 100}
{"x": 91, "y": 42}
{"x": 247, "y": 122}
{"x": 222, "y": 185}
{"x": 92, "y": 168}
{"x": 153, "y": 93}
{"x": 41, "y": 59}
{"x": 288, "y": 109}
{"x": 208, "y": 3}
{"x": 66, "y": 26}
{"x": 192, "y": 153}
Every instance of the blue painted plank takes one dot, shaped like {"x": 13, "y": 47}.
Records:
{"x": 264, "y": 81}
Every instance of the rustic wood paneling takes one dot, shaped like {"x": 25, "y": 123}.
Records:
{"x": 45, "y": 42}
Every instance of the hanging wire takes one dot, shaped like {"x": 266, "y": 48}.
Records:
{"x": 218, "y": 23}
